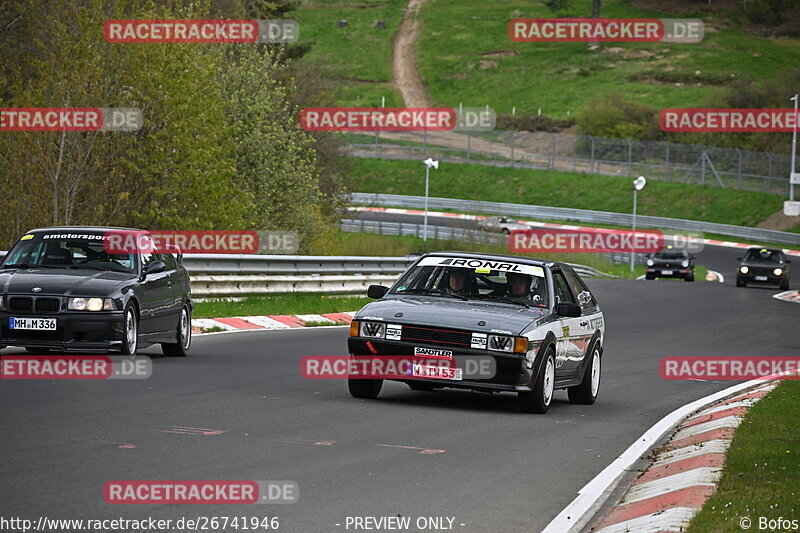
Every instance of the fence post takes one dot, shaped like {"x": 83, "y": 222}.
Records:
{"x": 630, "y": 158}
{"x": 553, "y": 152}
{"x": 591, "y": 164}
{"x": 469, "y": 144}
{"x": 426, "y": 140}
{"x": 380, "y": 227}
{"x": 667, "y": 170}
{"x": 513, "y": 134}
{"x": 739, "y": 169}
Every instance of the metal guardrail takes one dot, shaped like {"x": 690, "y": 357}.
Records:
{"x": 446, "y": 233}
{"x": 580, "y": 215}
{"x": 240, "y": 275}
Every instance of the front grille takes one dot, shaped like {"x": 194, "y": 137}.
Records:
{"x": 48, "y": 305}
{"x": 20, "y": 303}
{"x": 436, "y": 336}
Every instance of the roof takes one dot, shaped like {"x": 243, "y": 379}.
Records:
{"x": 81, "y": 228}
{"x": 514, "y": 258}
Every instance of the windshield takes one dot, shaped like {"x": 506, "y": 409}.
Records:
{"x": 678, "y": 254}
{"x": 763, "y": 256}
{"x": 73, "y": 251}
{"x": 479, "y": 279}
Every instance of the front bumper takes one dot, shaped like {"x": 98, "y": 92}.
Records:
{"x": 75, "y": 331}
{"x": 512, "y": 373}
{"x": 751, "y": 277}
{"x": 656, "y": 272}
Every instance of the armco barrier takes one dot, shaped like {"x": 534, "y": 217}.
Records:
{"x": 239, "y": 275}
{"x": 580, "y": 215}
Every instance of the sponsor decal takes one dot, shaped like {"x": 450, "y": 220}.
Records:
{"x": 394, "y": 332}
{"x": 70, "y": 119}
{"x": 478, "y": 341}
{"x": 728, "y": 120}
{"x": 378, "y": 119}
{"x": 200, "y": 492}
{"x": 606, "y": 30}
{"x": 200, "y": 31}
{"x": 433, "y": 352}
{"x": 565, "y": 331}
{"x": 729, "y": 368}
{"x": 483, "y": 265}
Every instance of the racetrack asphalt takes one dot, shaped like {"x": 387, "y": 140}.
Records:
{"x": 487, "y": 465}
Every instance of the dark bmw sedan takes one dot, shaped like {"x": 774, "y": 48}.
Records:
{"x": 65, "y": 289}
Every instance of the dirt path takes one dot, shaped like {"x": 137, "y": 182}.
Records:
{"x": 404, "y": 58}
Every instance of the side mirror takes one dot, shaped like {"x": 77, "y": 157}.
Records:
{"x": 154, "y": 267}
{"x": 569, "y": 309}
{"x": 377, "y": 291}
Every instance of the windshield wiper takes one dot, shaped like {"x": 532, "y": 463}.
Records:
{"x": 431, "y": 292}
{"x": 26, "y": 265}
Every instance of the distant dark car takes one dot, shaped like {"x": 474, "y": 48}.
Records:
{"x": 763, "y": 265}
{"x": 535, "y": 319}
{"x": 670, "y": 263}
{"x": 61, "y": 289}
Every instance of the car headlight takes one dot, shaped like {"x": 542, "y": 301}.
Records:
{"x": 685, "y": 263}
{"x": 778, "y": 271}
{"x": 650, "y": 262}
{"x": 91, "y": 304}
{"x": 376, "y": 330}
{"x": 744, "y": 270}
{"x": 501, "y": 343}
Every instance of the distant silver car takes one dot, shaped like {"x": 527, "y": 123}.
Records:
{"x": 500, "y": 224}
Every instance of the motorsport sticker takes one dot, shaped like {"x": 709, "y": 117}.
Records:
{"x": 481, "y": 265}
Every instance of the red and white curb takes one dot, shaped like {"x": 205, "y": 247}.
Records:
{"x": 461, "y": 216}
{"x": 713, "y": 275}
{"x": 685, "y": 472}
{"x": 244, "y": 323}
{"x": 789, "y": 296}
{"x": 582, "y": 510}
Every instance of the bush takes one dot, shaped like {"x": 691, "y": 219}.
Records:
{"x": 613, "y": 117}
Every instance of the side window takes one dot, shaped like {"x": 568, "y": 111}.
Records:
{"x": 581, "y": 292}
{"x": 146, "y": 252}
{"x": 169, "y": 261}
{"x": 562, "y": 291}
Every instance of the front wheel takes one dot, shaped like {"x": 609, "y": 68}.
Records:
{"x": 130, "y": 339}
{"x": 740, "y": 283}
{"x": 784, "y": 284}
{"x": 183, "y": 336}
{"x": 586, "y": 392}
{"x": 364, "y": 388}
{"x": 689, "y": 278}
{"x": 538, "y": 400}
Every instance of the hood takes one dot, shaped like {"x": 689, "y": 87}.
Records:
{"x": 452, "y": 313}
{"x": 66, "y": 282}
{"x": 763, "y": 264}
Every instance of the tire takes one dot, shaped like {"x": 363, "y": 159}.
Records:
{"x": 130, "y": 330}
{"x": 505, "y": 231}
{"x": 649, "y": 276}
{"x": 539, "y": 399}
{"x": 740, "y": 283}
{"x": 420, "y": 387}
{"x": 364, "y": 388}
{"x": 689, "y": 278}
{"x": 784, "y": 286}
{"x": 184, "y": 336}
{"x": 586, "y": 392}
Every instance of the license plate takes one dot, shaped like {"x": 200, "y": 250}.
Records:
{"x": 433, "y": 352}
{"x": 666, "y": 272}
{"x": 760, "y": 278}
{"x": 436, "y": 372}
{"x": 43, "y": 324}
